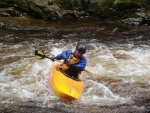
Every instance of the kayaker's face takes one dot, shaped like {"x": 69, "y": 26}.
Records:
{"x": 78, "y": 54}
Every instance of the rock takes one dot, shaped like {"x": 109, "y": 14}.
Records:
{"x": 4, "y": 14}
{"x": 9, "y": 12}
{"x": 133, "y": 21}
{"x": 124, "y": 11}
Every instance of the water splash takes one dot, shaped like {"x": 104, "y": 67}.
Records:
{"x": 27, "y": 79}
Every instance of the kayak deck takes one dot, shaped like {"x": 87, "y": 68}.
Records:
{"x": 64, "y": 86}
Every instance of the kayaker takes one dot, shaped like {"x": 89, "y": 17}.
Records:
{"x": 74, "y": 62}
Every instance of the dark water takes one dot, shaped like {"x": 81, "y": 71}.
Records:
{"x": 118, "y": 64}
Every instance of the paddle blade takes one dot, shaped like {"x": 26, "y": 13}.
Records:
{"x": 39, "y": 54}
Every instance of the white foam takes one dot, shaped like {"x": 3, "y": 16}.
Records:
{"x": 27, "y": 79}
{"x": 56, "y": 51}
{"x": 99, "y": 94}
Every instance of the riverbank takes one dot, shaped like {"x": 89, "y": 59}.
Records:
{"x": 129, "y": 12}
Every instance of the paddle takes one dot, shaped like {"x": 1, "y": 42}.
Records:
{"x": 40, "y": 55}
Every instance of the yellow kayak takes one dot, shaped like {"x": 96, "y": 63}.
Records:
{"x": 64, "y": 86}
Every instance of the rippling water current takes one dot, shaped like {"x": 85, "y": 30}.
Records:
{"x": 118, "y": 64}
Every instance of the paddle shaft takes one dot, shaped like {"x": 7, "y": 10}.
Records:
{"x": 49, "y": 58}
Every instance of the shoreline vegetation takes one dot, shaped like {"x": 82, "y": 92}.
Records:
{"x": 128, "y": 12}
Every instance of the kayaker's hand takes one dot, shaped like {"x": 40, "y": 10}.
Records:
{"x": 71, "y": 66}
{"x": 74, "y": 68}
{"x": 67, "y": 63}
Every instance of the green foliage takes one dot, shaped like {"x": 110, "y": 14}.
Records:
{"x": 30, "y": 7}
{"x": 105, "y": 9}
{"x": 117, "y": 9}
{"x": 7, "y": 3}
{"x": 67, "y": 4}
{"x": 102, "y": 9}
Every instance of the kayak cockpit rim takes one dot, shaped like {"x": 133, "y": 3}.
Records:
{"x": 77, "y": 79}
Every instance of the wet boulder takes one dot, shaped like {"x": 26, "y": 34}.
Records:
{"x": 133, "y": 12}
{"x": 129, "y": 12}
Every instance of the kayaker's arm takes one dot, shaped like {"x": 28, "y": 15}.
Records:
{"x": 64, "y": 55}
{"x": 82, "y": 64}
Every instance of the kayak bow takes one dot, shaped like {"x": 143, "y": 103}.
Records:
{"x": 64, "y": 86}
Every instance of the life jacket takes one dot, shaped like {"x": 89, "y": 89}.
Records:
{"x": 72, "y": 59}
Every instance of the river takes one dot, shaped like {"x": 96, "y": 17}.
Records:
{"x": 118, "y": 63}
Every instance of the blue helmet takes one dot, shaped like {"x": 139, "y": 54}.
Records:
{"x": 81, "y": 48}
